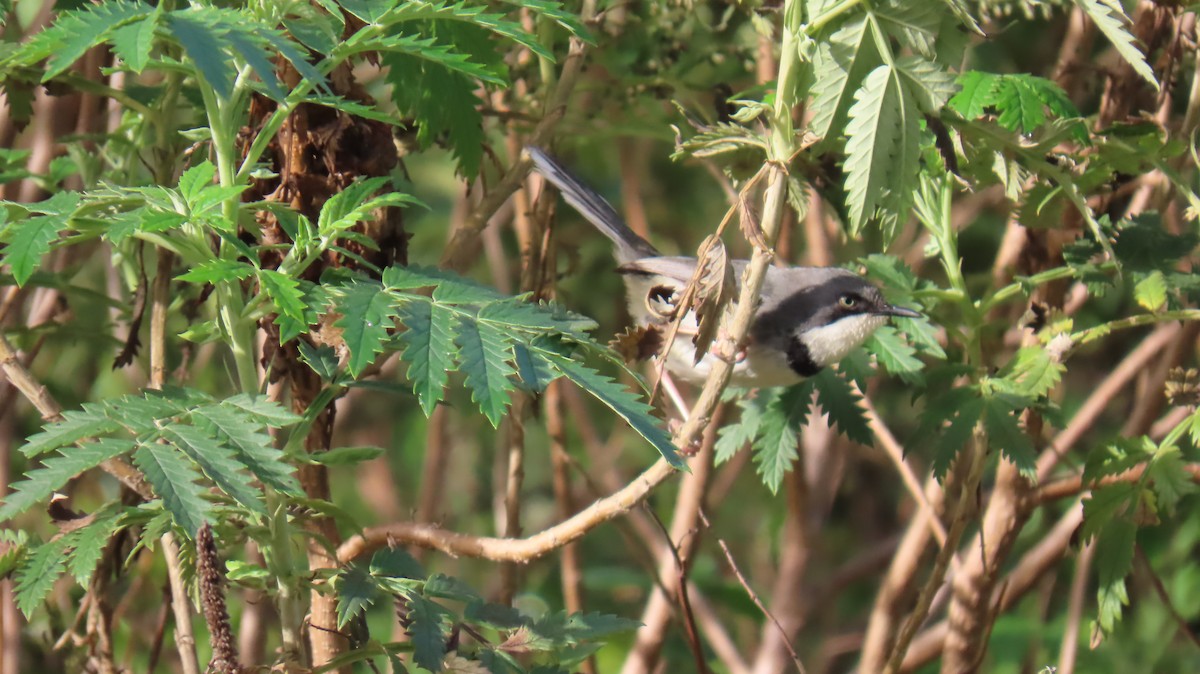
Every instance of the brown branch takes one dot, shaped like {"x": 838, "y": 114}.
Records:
{"x": 681, "y": 592}
{"x": 1070, "y": 641}
{"x": 1024, "y": 576}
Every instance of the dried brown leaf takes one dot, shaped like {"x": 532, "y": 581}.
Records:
{"x": 638, "y": 343}
{"x": 713, "y": 290}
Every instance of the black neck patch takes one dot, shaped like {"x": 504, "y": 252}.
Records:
{"x": 800, "y": 359}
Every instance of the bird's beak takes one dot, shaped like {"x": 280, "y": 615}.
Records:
{"x": 893, "y": 310}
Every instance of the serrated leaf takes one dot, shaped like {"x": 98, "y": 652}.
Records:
{"x": 76, "y": 425}
{"x": 250, "y": 48}
{"x": 1151, "y": 291}
{"x": 39, "y": 571}
{"x": 535, "y": 372}
{"x": 56, "y": 471}
{"x": 288, "y": 299}
{"x": 217, "y": 270}
{"x": 396, "y": 563}
{"x": 132, "y": 43}
{"x": 1005, "y": 433}
{"x": 356, "y": 591}
{"x": 839, "y": 68}
{"x": 894, "y": 353}
{"x": 173, "y": 480}
{"x": 975, "y": 94}
{"x": 1033, "y": 373}
{"x": 775, "y": 447}
{"x": 476, "y": 15}
{"x": 262, "y": 409}
{"x": 204, "y": 44}
{"x": 28, "y": 241}
{"x": 731, "y": 438}
{"x": 217, "y": 462}
{"x": 1114, "y": 560}
{"x": 881, "y": 150}
{"x": 425, "y": 629}
{"x": 485, "y": 354}
{"x": 451, "y": 115}
{"x": 1169, "y": 478}
{"x": 928, "y": 83}
{"x": 620, "y": 400}
{"x": 522, "y": 315}
{"x": 840, "y": 402}
{"x": 1109, "y": 17}
{"x": 251, "y": 448}
{"x": 962, "y": 408}
{"x": 913, "y": 24}
{"x": 76, "y": 32}
{"x": 367, "y": 314}
{"x": 90, "y": 542}
{"x": 429, "y": 350}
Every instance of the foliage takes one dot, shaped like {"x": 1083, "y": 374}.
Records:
{"x": 241, "y": 213}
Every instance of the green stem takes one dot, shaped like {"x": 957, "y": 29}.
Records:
{"x": 1094, "y": 333}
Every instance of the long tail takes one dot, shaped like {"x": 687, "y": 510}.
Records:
{"x": 592, "y": 206}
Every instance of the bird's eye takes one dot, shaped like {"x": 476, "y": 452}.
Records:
{"x": 848, "y": 301}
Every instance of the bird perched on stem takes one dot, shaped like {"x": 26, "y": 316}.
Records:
{"x": 808, "y": 318}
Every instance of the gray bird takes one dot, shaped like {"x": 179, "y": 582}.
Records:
{"x": 808, "y": 318}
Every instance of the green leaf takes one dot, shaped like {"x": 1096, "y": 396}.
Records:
{"x": 1151, "y": 291}
{"x": 840, "y": 66}
{"x": 367, "y": 313}
{"x": 76, "y": 425}
{"x": 76, "y": 32}
{"x": 539, "y": 318}
{"x": 345, "y": 456}
{"x": 90, "y": 543}
{"x": 288, "y": 299}
{"x": 356, "y": 591}
{"x": 1033, "y": 373}
{"x": 249, "y": 46}
{"x": 429, "y": 350}
{"x": 731, "y": 438}
{"x": 251, "y": 448}
{"x": 535, "y": 371}
{"x": 1005, "y": 433}
{"x": 217, "y": 270}
{"x": 425, "y": 629}
{"x": 205, "y": 44}
{"x": 1114, "y": 560}
{"x": 928, "y": 83}
{"x": 132, "y": 43}
{"x": 882, "y": 146}
{"x": 217, "y": 461}
{"x": 396, "y": 563}
{"x": 975, "y": 93}
{"x": 56, "y": 471}
{"x": 894, "y": 353}
{"x": 28, "y": 241}
{"x": 775, "y": 448}
{"x": 485, "y": 355}
{"x": 620, "y": 400}
{"x": 914, "y": 24}
{"x": 1109, "y": 17}
{"x": 263, "y": 410}
{"x": 38, "y": 573}
{"x": 961, "y": 408}
{"x": 443, "y": 102}
{"x": 841, "y": 403}
{"x": 1169, "y": 478}
{"x": 354, "y": 204}
{"x": 174, "y": 481}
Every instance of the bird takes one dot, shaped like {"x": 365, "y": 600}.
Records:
{"x": 808, "y": 318}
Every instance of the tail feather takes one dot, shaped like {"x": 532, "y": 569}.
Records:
{"x": 593, "y": 207}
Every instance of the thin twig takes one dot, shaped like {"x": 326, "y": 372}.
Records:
{"x": 1180, "y": 622}
{"x": 1075, "y": 601}
{"x": 685, "y": 606}
{"x": 741, "y": 578}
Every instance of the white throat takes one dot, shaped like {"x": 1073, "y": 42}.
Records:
{"x": 830, "y": 343}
